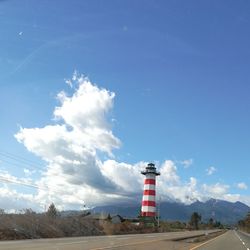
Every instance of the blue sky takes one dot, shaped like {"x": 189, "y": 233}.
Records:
{"x": 179, "y": 71}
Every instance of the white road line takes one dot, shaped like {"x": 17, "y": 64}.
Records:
{"x": 244, "y": 244}
{"x": 72, "y": 243}
{"x": 124, "y": 245}
{"x": 206, "y": 242}
{"x": 122, "y": 238}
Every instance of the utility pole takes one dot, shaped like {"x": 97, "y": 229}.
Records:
{"x": 159, "y": 205}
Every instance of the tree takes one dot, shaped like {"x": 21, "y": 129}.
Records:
{"x": 248, "y": 219}
{"x": 28, "y": 211}
{"x": 52, "y": 211}
{"x": 211, "y": 223}
{"x": 194, "y": 220}
{"x": 109, "y": 218}
{"x": 245, "y": 223}
{"x": 218, "y": 224}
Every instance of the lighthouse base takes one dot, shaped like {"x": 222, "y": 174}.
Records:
{"x": 148, "y": 221}
{"x": 148, "y": 214}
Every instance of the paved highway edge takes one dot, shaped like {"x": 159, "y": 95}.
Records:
{"x": 174, "y": 239}
{"x": 208, "y": 241}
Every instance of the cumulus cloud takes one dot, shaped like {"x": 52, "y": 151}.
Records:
{"x": 74, "y": 147}
{"x": 216, "y": 190}
{"x": 211, "y": 170}
{"x": 187, "y": 163}
{"x": 242, "y": 185}
{"x": 28, "y": 172}
{"x": 6, "y": 177}
{"x": 237, "y": 197}
{"x": 169, "y": 172}
{"x": 125, "y": 176}
{"x": 13, "y": 201}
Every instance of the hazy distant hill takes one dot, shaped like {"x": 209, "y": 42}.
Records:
{"x": 223, "y": 211}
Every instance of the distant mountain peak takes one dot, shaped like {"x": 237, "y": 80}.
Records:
{"x": 224, "y": 211}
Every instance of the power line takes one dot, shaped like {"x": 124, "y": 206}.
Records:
{"x": 47, "y": 188}
{"x": 19, "y": 158}
{"x": 4, "y": 179}
{"x": 7, "y": 180}
{"x": 9, "y": 163}
{"x": 9, "y": 159}
{"x": 29, "y": 164}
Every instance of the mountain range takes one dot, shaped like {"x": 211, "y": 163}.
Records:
{"x": 219, "y": 210}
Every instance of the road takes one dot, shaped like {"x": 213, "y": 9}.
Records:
{"x": 231, "y": 240}
{"x": 130, "y": 242}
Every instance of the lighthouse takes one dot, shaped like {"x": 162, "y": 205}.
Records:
{"x": 148, "y": 208}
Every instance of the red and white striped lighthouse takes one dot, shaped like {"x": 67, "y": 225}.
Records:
{"x": 148, "y": 208}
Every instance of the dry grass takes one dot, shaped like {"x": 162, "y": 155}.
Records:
{"x": 32, "y": 225}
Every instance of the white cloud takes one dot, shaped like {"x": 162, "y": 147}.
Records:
{"x": 75, "y": 172}
{"x": 29, "y": 172}
{"x": 125, "y": 176}
{"x": 13, "y": 201}
{"x": 171, "y": 187}
{"x": 216, "y": 190}
{"x": 242, "y": 185}
{"x": 74, "y": 148}
{"x": 7, "y": 178}
{"x": 237, "y": 197}
{"x": 211, "y": 170}
{"x": 169, "y": 173}
{"x": 187, "y": 163}
{"x": 185, "y": 192}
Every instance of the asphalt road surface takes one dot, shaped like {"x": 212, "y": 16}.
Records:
{"x": 130, "y": 242}
{"x": 231, "y": 240}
